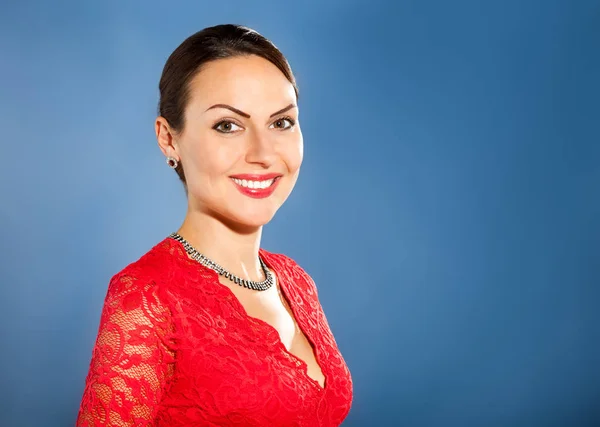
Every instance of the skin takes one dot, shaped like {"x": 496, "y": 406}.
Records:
{"x": 221, "y": 222}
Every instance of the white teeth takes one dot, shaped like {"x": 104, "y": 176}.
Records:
{"x": 254, "y": 184}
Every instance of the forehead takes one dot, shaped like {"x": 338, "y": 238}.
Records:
{"x": 250, "y": 83}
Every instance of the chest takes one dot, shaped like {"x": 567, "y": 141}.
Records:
{"x": 271, "y": 307}
{"x": 238, "y": 359}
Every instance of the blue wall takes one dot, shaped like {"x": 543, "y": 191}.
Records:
{"x": 448, "y": 207}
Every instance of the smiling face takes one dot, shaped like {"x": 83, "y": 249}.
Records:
{"x": 241, "y": 146}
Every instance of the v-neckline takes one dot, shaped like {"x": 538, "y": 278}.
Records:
{"x": 279, "y": 343}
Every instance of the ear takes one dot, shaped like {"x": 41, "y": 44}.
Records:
{"x": 165, "y": 137}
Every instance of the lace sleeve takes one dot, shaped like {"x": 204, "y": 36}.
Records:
{"x": 131, "y": 361}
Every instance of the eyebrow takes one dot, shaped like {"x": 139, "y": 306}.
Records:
{"x": 241, "y": 113}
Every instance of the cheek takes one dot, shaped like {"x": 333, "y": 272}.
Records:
{"x": 293, "y": 154}
{"x": 212, "y": 158}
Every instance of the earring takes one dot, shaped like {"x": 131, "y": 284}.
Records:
{"x": 172, "y": 162}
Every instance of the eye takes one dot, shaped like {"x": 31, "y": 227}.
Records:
{"x": 283, "y": 123}
{"x": 226, "y": 126}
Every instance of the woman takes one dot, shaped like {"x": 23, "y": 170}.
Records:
{"x": 207, "y": 328}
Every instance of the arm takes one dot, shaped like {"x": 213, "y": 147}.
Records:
{"x": 131, "y": 362}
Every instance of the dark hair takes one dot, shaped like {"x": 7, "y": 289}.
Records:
{"x": 209, "y": 44}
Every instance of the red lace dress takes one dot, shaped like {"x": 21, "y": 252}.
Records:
{"x": 176, "y": 348}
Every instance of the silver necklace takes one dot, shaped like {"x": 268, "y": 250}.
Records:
{"x": 202, "y": 259}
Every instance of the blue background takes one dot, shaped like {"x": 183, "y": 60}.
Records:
{"x": 448, "y": 206}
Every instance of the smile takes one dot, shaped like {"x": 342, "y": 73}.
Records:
{"x": 254, "y": 184}
{"x": 257, "y": 187}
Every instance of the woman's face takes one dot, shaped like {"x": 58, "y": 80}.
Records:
{"x": 241, "y": 147}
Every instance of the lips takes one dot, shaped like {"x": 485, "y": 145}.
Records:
{"x": 256, "y": 177}
{"x": 255, "y": 185}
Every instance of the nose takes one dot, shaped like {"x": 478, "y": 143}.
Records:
{"x": 261, "y": 149}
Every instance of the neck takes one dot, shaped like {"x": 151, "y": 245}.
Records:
{"x": 233, "y": 248}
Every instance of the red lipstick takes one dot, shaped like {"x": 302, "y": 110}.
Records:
{"x": 256, "y": 176}
{"x": 257, "y": 193}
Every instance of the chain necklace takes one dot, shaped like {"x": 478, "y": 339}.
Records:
{"x": 202, "y": 259}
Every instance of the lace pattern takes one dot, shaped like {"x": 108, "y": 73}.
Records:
{"x": 176, "y": 348}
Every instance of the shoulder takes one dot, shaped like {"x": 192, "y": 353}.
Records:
{"x": 287, "y": 265}
{"x": 280, "y": 260}
{"x": 140, "y": 280}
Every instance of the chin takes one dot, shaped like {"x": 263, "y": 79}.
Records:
{"x": 256, "y": 219}
{"x": 247, "y": 221}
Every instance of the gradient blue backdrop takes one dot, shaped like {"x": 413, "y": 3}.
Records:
{"x": 447, "y": 208}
